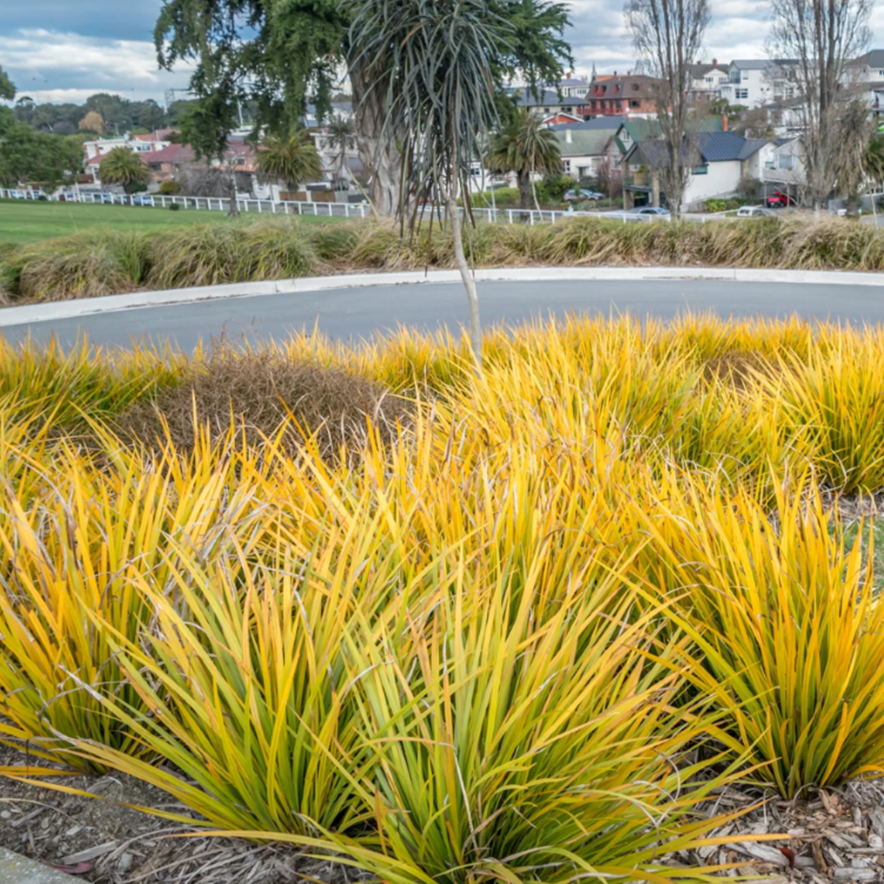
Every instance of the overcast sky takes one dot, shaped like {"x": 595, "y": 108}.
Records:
{"x": 61, "y": 50}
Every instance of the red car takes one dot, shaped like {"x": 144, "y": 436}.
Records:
{"x": 779, "y": 200}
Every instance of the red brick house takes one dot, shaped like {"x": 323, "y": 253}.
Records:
{"x": 632, "y": 95}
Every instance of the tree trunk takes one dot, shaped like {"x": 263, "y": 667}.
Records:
{"x": 524, "y": 182}
{"x": 469, "y": 282}
{"x": 377, "y": 147}
{"x": 234, "y": 208}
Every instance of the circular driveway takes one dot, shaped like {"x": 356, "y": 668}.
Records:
{"x": 359, "y": 313}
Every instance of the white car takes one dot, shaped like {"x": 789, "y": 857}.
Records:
{"x": 755, "y": 212}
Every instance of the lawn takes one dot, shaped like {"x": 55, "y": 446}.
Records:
{"x": 26, "y": 222}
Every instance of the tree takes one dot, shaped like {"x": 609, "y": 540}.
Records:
{"x": 293, "y": 159}
{"x": 115, "y": 112}
{"x": 31, "y": 157}
{"x": 873, "y": 159}
{"x": 280, "y": 54}
{"x": 854, "y": 134}
{"x": 340, "y": 139}
{"x": 824, "y": 36}
{"x": 92, "y": 122}
{"x": 121, "y": 166}
{"x": 525, "y": 146}
{"x": 667, "y": 34}
{"x": 7, "y": 90}
{"x": 430, "y": 61}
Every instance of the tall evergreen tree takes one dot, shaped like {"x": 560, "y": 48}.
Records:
{"x": 281, "y": 54}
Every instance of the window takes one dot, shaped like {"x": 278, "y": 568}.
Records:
{"x": 619, "y": 104}
{"x": 741, "y": 93}
{"x": 710, "y": 79}
{"x": 635, "y": 104}
{"x": 593, "y": 104}
{"x": 700, "y": 170}
{"x": 881, "y": 73}
{"x": 568, "y": 110}
{"x": 566, "y": 166}
{"x": 787, "y": 161}
{"x": 546, "y": 110}
{"x": 636, "y": 87}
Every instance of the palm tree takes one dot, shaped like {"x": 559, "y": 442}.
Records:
{"x": 340, "y": 137}
{"x": 524, "y": 146}
{"x": 291, "y": 158}
{"x": 432, "y": 61}
{"x": 122, "y": 166}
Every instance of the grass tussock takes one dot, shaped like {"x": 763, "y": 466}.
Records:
{"x": 94, "y": 264}
{"x": 266, "y": 395}
{"x": 537, "y": 629}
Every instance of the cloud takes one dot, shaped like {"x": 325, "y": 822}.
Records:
{"x": 67, "y": 64}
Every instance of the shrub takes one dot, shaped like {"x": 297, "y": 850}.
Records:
{"x": 175, "y": 207}
{"x": 211, "y": 254}
{"x": 264, "y": 392}
{"x": 170, "y": 187}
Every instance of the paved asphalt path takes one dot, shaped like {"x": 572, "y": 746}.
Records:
{"x": 360, "y": 313}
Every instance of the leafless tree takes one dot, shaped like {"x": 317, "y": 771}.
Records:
{"x": 823, "y": 37}
{"x": 855, "y": 130}
{"x": 667, "y": 35}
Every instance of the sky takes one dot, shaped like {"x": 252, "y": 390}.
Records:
{"x": 61, "y": 50}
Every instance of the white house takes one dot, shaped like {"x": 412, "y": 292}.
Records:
{"x": 757, "y": 82}
{"x": 723, "y": 160}
{"x": 706, "y": 79}
{"x": 140, "y": 144}
{"x": 572, "y": 87}
{"x": 866, "y": 75}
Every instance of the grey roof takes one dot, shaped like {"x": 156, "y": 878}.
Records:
{"x": 570, "y": 81}
{"x": 714, "y": 147}
{"x": 873, "y": 59}
{"x": 584, "y": 142}
{"x": 604, "y": 123}
{"x": 702, "y": 68}
{"x": 546, "y": 98}
{"x": 762, "y": 64}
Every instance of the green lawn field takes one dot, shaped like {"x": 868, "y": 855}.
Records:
{"x": 25, "y": 222}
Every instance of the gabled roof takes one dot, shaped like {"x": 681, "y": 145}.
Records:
{"x": 873, "y": 59}
{"x": 570, "y": 81}
{"x": 545, "y": 98}
{"x": 713, "y": 147}
{"x": 610, "y": 124}
{"x": 584, "y": 142}
{"x": 644, "y": 130}
{"x": 702, "y": 68}
{"x": 174, "y": 153}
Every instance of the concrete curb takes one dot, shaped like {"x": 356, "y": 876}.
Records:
{"x": 31, "y": 313}
{"x": 15, "y": 869}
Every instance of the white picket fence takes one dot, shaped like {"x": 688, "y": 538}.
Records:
{"x": 318, "y": 209}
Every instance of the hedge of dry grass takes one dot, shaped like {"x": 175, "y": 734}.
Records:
{"x": 88, "y": 265}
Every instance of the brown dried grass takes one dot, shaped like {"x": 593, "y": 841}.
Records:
{"x": 267, "y": 395}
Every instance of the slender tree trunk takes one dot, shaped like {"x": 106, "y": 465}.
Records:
{"x": 534, "y": 186}
{"x": 377, "y": 147}
{"x": 524, "y": 191}
{"x": 466, "y": 275}
{"x": 234, "y": 208}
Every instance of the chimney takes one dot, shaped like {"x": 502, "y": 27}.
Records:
{"x": 568, "y": 138}
{"x": 724, "y": 123}
{"x": 715, "y": 62}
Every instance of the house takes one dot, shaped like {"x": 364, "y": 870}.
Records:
{"x": 633, "y": 95}
{"x": 866, "y": 76}
{"x": 723, "y": 160}
{"x": 546, "y": 103}
{"x": 631, "y": 131}
{"x": 140, "y": 144}
{"x": 572, "y": 87}
{"x": 706, "y": 79}
{"x": 586, "y": 150}
{"x": 757, "y": 82}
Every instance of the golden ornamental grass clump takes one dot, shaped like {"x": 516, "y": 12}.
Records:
{"x": 530, "y": 634}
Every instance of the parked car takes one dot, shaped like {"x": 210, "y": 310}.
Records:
{"x": 579, "y": 195}
{"x": 142, "y": 200}
{"x": 754, "y": 212}
{"x": 68, "y": 198}
{"x": 651, "y": 213}
{"x": 779, "y": 200}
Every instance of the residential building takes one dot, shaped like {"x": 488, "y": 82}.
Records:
{"x": 572, "y": 87}
{"x": 706, "y": 79}
{"x": 757, "y": 82}
{"x": 632, "y": 95}
{"x": 866, "y": 76}
{"x": 547, "y": 103}
{"x": 723, "y": 160}
{"x": 586, "y": 148}
{"x": 140, "y": 144}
